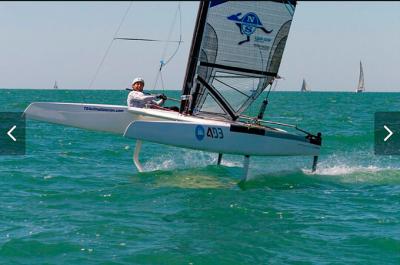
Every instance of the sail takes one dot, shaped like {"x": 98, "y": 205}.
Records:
{"x": 360, "y": 87}
{"x": 236, "y": 52}
{"x": 304, "y": 86}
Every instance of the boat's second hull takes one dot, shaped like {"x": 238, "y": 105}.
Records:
{"x": 106, "y": 118}
{"x": 97, "y": 117}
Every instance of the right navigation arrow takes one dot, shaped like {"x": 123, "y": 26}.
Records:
{"x": 389, "y": 131}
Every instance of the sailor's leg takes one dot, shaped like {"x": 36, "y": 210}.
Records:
{"x": 136, "y": 156}
{"x": 219, "y": 159}
{"x": 246, "y": 163}
{"x": 314, "y": 165}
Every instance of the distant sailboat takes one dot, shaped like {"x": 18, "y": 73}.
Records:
{"x": 360, "y": 87}
{"x": 304, "y": 86}
{"x": 55, "y": 85}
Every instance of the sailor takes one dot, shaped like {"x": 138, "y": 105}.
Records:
{"x": 138, "y": 99}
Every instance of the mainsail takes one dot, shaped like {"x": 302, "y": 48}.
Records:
{"x": 236, "y": 52}
{"x": 304, "y": 86}
{"x": 360, "y": 87}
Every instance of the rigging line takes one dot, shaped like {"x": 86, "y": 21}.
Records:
{"x": 156, "y": 80}
{"x": 232, "y": 76}
{"x": 159, "y": 75}
{"x": 170, "y": 32}
{"x": 162, "y": 63}
{"x": 180, "y": 34}
{"x": 237, "y": 90}
{"x": 162, "y": 82}
{"x": 270, "y": 87}
{"x": 142, "y": 39}
{"x": 109, "y": 46}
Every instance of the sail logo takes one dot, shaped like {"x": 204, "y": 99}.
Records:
{"x": 248, "y": 24}
{"x": 199, "y": 132}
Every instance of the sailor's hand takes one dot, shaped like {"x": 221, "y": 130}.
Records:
{"x": 162, "y": 96}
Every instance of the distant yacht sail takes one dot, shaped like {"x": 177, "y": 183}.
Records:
{"x": 55, "y": 85}
{"x": 304, "y": 86}
{"x": 360, "y": 87}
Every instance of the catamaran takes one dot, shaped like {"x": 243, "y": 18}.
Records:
{"x": 304, "y": 86}
{"x": 360, "y": 87}
{"x": 55, "y": 85}
{"x": 235, "y": 55}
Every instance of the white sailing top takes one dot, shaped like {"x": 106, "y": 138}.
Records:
{"x": 139, "y": 99}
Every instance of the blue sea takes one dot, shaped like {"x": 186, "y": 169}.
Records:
{"x": 76, "y": 197}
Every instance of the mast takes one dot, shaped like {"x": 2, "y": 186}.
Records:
{"x": 194, "y": 52}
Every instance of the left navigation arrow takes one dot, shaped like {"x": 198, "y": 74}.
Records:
{"x": 10, "y": 131}
{"x": 12, "y": 134}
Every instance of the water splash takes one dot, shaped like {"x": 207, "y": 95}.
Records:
{"x": 174, "y": 158}
{"x": 343, "y": 169}
{"x": 352, "y": 173}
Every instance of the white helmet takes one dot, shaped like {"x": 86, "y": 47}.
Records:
{"x": 138, "y": 79}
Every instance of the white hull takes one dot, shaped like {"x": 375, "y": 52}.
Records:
{"x": 221, "y": 138}
{"x": 172, "y": 128}
{"x": 98, "y": 117}
{"x": 106, "y": 118}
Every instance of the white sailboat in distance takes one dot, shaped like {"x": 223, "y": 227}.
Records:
{"x": 232, "y": 41}
{"x": 304, "y": 86}
{"x": 361, "y": 87}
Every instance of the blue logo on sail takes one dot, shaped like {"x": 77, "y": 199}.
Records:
{"x": 200, "y": 132}
{"x": 248, "y": 24}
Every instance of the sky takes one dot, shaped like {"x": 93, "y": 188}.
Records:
{"x": 72, "y": 41}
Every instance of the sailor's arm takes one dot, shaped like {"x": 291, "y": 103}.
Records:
{"x": 142, "y": 96}
{"x": 146, "y": 99}
{"x": 152, "y": 99}
{"x": 136, "y": 98}
{"x": 158, "y": 102}
{"x": 159, "y": 99}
